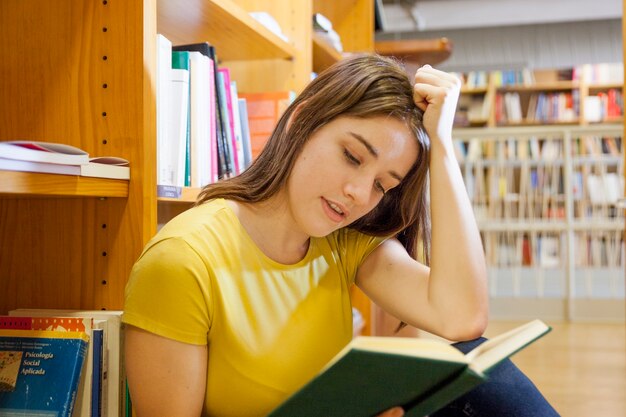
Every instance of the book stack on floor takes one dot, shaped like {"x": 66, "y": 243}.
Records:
{"x": 93, "y": 373}
{"x": 41, "y": 362}
{"x": 58, "y": 158}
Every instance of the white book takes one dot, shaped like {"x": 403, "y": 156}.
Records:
{"x": 116, "y": 377}
{"x": 200, "y": 107}
{"x": 106, "y": 167}
{"x": 54, "y": 153}
{"x": 164, "y": 114}
{"x": 245, "y": 132}
{"x": 175, "y": 145}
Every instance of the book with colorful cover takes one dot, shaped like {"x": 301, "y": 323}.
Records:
{"x": 114, "y": 383}
{"x": 40, "y": 371}
{"x": 84, "y": 396}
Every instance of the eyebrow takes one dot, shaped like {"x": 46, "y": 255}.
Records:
{"x": 374, "y": 152}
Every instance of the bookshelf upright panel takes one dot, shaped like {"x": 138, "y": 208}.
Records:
{"x": 76, "y": 72}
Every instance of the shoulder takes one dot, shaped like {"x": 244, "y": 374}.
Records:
{"x": 213, "y": 218}
{"x": 351, "y": 246}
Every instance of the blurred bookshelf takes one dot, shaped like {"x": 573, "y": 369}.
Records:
{"x": 548, "y": 204}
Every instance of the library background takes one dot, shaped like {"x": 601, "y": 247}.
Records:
{"x": 538, "y": 132}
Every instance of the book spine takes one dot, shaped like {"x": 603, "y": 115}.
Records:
{"x": 180, "y": 60}
{"x": 441, "y": 396}
{"x": 225, "y": 79}
{"x": 229, "y": 150}
{"x": 96, "y": 374}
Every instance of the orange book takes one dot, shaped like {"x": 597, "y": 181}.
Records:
{"x": 264, "y": 110}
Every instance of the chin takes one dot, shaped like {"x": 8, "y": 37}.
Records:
{"x": 321, "y": 231}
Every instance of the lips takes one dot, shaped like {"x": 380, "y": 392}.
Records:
{"x": 335, "y": 211}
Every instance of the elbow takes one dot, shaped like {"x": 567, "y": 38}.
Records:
{"x": 470, "y": 328}
{"x": 476, "y": 328}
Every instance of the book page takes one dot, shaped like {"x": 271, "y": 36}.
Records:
{"x": 501, "y": 347}
{"x": 407, "y": 346}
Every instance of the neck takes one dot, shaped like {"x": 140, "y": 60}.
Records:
{"x": 272, "y": 229}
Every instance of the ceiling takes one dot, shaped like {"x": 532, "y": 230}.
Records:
{"x": 436, "y": 15}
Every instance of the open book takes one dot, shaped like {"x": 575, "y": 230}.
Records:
{"x": 373, "y": 374}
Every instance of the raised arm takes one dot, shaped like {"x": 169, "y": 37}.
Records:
{"x": 450, "y": 297}
{"x": 166, "y": 378}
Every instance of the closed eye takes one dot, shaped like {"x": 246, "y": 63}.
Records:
{"x": 380, "y": 187}
{"x": 351, "y": 158}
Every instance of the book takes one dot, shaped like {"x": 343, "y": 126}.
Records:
{"x": 373, "y": 374}
{"x": 98, "y": 373}
{"x": 53, "y": 153}
{"x": 89, "y": 326}
{"x": 245, "y": 132}
{"x": 175, "y": 147}
{"x": 219, "y": 124}
{"x": 230, "y": 146}
{"x": 40, "y": 371}
{"x": 99, "y": 167}
{"x": 113, "y": 400}
{"x": 106, "y": 167}
{"x": 165, "y": 115}
{"x": 182, "y": 61}
{"x": 201, "y": 88}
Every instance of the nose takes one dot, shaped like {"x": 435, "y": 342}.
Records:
{"x": 359, "y": 189}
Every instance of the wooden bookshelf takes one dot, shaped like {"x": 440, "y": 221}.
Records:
{"x": 417, "y": 51}
{"x": 579, "y": 90}
{"x": 233, "y": 32}
{"x": 324, "y": 54}
{"x": 532, "y": 185}
{"x": 70, "y": 242}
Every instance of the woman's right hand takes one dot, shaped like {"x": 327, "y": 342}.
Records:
{"x": 392, "y": 412}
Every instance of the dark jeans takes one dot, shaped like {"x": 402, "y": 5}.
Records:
{"x": 507, "y": 393}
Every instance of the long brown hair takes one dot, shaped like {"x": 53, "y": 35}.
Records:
{"x": 365, "y": 85}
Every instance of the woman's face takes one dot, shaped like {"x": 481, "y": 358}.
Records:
{"x": 344, "y": 170}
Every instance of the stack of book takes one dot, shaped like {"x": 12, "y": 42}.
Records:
{"x": 62, "y": 362}
{"x": 207, "y": 129}
{"x": 58, "y": 158}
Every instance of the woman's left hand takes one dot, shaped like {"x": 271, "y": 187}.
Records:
{"x": 436, "y": 93}
{"x": 392, "y": 412}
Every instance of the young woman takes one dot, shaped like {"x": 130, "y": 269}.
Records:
{"x": 239, "y": 301}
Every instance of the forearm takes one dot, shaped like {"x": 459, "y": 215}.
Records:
{"x": 457, "y": 284}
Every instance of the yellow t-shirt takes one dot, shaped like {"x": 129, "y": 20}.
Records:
{"x": 269, "y": 327}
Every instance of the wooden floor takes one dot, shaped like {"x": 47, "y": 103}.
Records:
{"x": 579, "y": 367}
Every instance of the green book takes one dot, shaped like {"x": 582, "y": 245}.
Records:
{"x": 181, "y": 60}
{"x": 373, "y": 374}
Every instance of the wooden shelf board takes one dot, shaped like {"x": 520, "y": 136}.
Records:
{"x": 324, "y": 55}
{"x": 25, "y": 184}
{"x": 474, "y": 90}
{"x": 491, "y": 225}
{"x": 548, "y": 86}
{"x": 539, "y": 123}
{"x": 188, "y": 196}
{"x": 224, "y": 24}
{"x": 422, "y": 51}
{"x": 605, "y": 86}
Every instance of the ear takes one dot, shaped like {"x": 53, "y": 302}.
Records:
{"x": 294, "y": 113}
